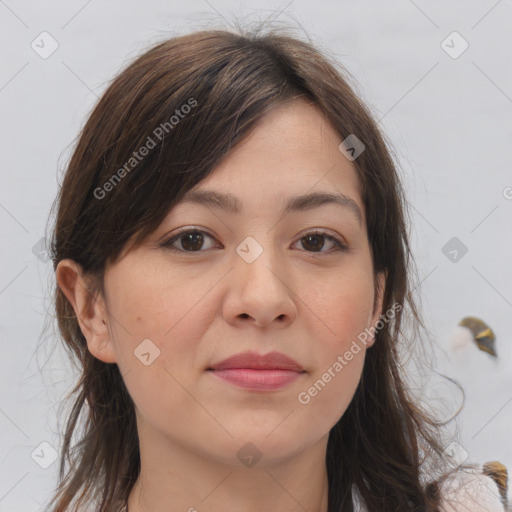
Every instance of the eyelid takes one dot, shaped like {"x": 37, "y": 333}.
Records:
{"x": 324, "y": 232}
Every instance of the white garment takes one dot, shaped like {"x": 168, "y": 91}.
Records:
{"x": 462, "y": 492}
{"x": 471, "y": 492}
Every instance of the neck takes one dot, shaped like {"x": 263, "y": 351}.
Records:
{"x": 173, "y": 478}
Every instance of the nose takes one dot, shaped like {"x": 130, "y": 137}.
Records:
{"x": 260, "y": 292}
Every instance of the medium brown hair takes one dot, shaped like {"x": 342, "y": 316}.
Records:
{"x": 381, "y": 445}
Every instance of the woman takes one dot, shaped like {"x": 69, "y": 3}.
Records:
{"x": 232, "y": 267}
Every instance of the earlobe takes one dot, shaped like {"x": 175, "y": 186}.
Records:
{"x": 90, "y": 310}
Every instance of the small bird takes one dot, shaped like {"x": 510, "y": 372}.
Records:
{"x": 498, "y": 472}
{"x": 482, "y": 334}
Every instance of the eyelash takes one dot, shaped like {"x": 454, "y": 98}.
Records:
{"x": 168, "y": 244}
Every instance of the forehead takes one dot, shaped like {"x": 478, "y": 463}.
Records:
{"x": 290, "y": 160}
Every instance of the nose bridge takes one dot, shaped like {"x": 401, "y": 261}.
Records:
{"x": 258, "y": 257}
{"x": 262, "y": 289}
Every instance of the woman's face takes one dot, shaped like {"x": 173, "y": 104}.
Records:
{"x": 250, "y": 280}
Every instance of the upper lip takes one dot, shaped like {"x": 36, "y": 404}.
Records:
{"x": 253, "y": 360}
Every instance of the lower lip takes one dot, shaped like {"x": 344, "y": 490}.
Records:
{"x": 260, "y": 380}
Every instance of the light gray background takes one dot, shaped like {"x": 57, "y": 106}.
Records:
{"x": 449, "y": 120}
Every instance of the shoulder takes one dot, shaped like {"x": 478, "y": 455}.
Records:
{"x": 474, "y": 491}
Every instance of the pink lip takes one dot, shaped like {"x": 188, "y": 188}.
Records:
{"x": 253, "y": 360}
{"x": 251, "y": 370}
{"x": 258, "y": 380}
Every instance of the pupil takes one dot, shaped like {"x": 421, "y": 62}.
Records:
{"x": 312, "y": 237}
{"x": 190, "y": 241}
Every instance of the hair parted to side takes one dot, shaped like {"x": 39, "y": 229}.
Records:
{"x": 382, "y": 445}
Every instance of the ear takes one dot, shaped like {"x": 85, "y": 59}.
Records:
{"x": 90, "y": 310}
{"x": 380, "y": 286}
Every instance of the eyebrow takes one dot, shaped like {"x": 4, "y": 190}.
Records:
{"x": 301, "y": 203}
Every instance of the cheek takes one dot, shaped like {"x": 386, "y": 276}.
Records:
{"x": 344, "y": 307}
{"x": 328, "y": 393}
{"x": 339, "y": 354}
{"x": 174, "y": 320}
{"x": 162, "y": 306}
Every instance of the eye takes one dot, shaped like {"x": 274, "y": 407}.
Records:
{"x": 315, "y": 240}
{"x": 192, "y": 240}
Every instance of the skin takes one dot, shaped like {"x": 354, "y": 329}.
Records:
{"x": 200, "y": 307}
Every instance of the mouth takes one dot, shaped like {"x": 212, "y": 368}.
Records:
{"x": 257, "y": 380}
{"x": 251, "y": 370}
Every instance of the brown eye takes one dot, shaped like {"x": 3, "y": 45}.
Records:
{"x": 191, "y": 240}
{"x": 315, "y": 241}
